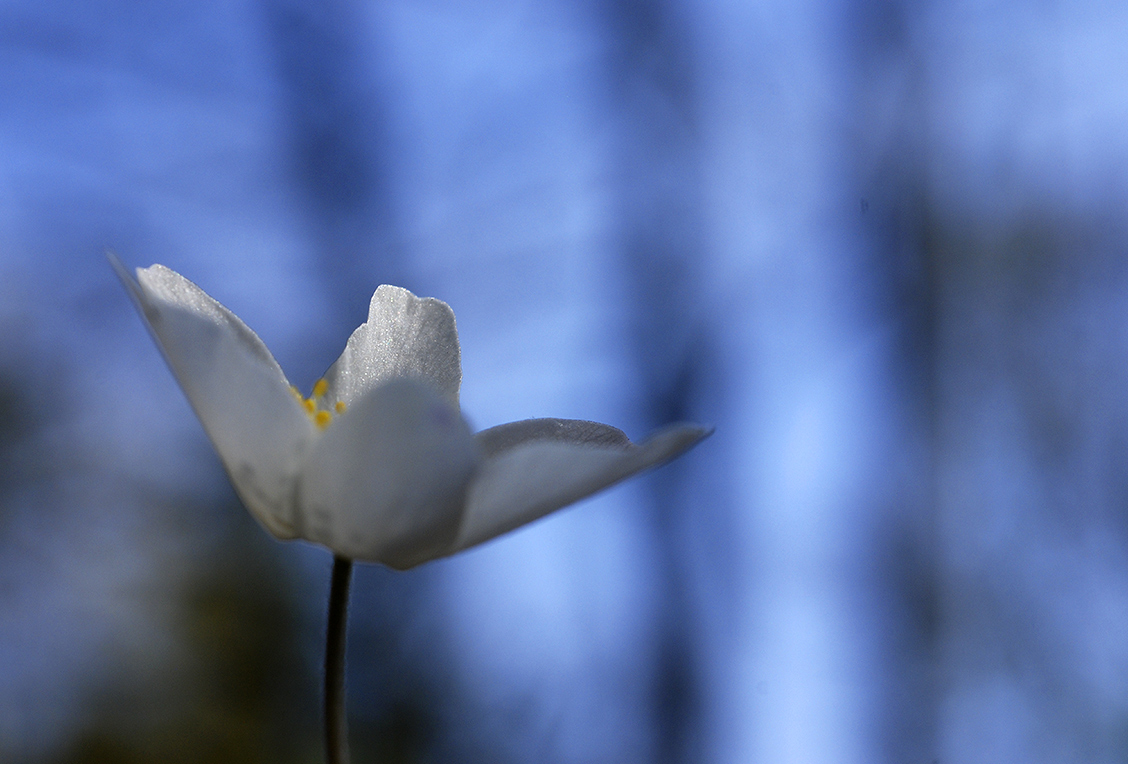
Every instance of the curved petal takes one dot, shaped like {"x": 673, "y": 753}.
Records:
{"x": 538, "y": 466}
{"x": 405, "y": 336}
{"x": 505, "y": 437}
{"x": 235, "y": 386}
{"x": 387, "y": 482}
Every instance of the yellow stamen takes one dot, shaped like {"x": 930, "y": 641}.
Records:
{"x": 340, "y": 407}
{"x": 322, "y": 419}
{"x": 309, "y": 405}
{"x": 320, "y": 388}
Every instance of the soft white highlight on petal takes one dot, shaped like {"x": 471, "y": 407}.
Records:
{"x": 235, "y": 386}
{"x": 387, "y": 482}
{"x": 538, "y": 466}
{"x": 405, "y": 336}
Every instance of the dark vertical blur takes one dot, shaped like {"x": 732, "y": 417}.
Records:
{"x": 1032, "y": 477}
{"x": 887, "y": 141}
{"x": 334, "y": 121}
{"x": 651, "y": 102}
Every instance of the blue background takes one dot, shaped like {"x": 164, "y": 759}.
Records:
{"x": 879, "y": 245}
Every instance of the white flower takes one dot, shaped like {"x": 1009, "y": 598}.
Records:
{"x": 378, "y": 463}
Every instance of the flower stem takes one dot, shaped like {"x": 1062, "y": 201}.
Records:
{"x": 336, "y": 721}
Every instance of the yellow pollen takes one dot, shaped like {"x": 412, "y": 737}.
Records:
{"x": 309, "y": 405}
{"x": 340, "y": 407}
{"x": 322, "y": 419}
{"x": 320, "y": 388}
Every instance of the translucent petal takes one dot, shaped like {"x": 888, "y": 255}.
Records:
{"x": 405, "y": 336}
{"x": 387, "y": 482}
{"x": 537, "y": 466}
{"x": 575, "y": 431}
{"x": 235, "y": 386}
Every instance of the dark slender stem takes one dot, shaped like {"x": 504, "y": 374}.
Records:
{"x": 336, "y": 722}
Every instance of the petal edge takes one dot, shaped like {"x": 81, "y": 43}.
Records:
{"x": 520, "y": 484}
{"x": 235, "y": 386}
{"x": 404, "y": 337}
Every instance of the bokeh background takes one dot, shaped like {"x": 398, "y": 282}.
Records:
{"x": 880, "y": 244}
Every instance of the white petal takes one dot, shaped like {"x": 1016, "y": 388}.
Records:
{"x": 405, "y": 336}
{"x": 234, "y": 384}
{"x": 538, "y": 466}
{"x": 387, "y": 482}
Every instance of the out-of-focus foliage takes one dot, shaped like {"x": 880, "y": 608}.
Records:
{"x": 238, "y": 692}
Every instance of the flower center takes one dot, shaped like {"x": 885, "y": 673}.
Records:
{"x": 315, "y": 405}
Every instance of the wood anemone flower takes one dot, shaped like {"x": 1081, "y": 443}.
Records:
{"x": 377, "y": 463}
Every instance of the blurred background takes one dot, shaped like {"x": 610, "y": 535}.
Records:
{"x": 880, "y": 245}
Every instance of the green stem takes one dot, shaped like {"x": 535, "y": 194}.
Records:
{"x": 336, "y": 721}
